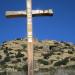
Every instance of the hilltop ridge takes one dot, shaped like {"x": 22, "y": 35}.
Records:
{"x": 47, "y": 54}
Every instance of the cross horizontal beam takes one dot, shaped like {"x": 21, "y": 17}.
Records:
{"x": 34, "y": 13}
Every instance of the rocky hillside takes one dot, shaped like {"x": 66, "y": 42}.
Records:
{"x": 47, "y": 54}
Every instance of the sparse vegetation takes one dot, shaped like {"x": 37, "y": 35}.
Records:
{"x": 52, "y": 53}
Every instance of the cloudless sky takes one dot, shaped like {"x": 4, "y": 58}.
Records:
{"x": 59, "y": 27}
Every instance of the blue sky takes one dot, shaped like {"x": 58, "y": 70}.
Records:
{"x": 59, "y": 27}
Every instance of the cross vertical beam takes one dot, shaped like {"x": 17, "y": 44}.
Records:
{"x": 29, "y": 36}
{"x": 29, "y": 13}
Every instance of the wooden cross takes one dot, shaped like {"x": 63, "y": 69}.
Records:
{"x": 29, "y": 13}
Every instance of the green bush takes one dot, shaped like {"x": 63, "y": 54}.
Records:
{"x": 24, "y": 59}
{"x": 41, "y": 47}
{"x": 18, "y": 39}
{"x": 42, "y": 61}
{"x": 51, "y": 47}
{"x": 19, "y": 54}
{"x": 73, "y": 59}
{"x": 6, "y": 51}
{"x": 46, "y": 56}
{"x": 24, "y": 46}
{"x": 19, "y": 60}
{"x": 51, "y": 53}
{"x": 0, "y": 57}
{"x": 25, "y": 67}
{"x": 58, "y": 53}
{"x": 7, "y": 59}
{"x": 70, "y": 52}
{"x": 36, "y": 47}
{"x": 62, "y": 62}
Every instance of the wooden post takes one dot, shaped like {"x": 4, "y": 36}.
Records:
{"x": 29, "y": 13}
{"x": 30, "y": 38}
